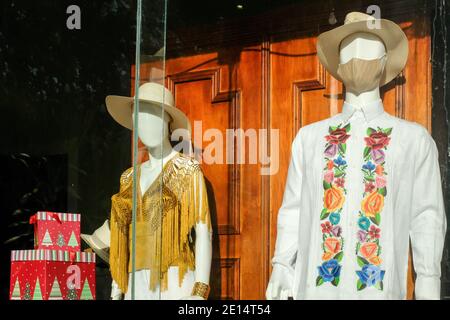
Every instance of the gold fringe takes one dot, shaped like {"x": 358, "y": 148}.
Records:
{"x": 166, "y": 215}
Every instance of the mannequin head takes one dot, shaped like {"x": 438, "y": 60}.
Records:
{"x": 362, "y": 61}
{"x": 361, "y": 45}
{"x": 153, "y": 126}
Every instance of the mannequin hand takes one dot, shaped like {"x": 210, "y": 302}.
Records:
{"x": 116, "y": 293}
{"x": 118, "y": 296}
{"x": 192, "y": 298}
{"x": 280, "y": 284}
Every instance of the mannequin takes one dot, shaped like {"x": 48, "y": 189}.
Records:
{"x": 153, "y": 130}
{"x": 357, "y": 45}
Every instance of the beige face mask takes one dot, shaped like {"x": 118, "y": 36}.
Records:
{"x": 360, "y": 75}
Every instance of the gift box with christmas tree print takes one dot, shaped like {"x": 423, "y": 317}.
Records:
{"x": 56, "y": 231}
{"x": 52, "y": 275}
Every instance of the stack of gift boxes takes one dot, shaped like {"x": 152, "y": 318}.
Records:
{"x": 56, "y": 269}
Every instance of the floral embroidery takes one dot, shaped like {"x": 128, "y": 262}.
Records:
{"x": 333, "y": 200}
{"x": 368, "y": 249}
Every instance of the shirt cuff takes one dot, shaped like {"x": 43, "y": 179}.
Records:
{"x": 428, "y": 288}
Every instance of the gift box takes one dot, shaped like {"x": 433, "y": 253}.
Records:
{"x": 52, "y": 275}
{"x": 56, "y": 231}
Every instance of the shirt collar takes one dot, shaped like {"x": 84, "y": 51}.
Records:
{"x": 369, "y": 110}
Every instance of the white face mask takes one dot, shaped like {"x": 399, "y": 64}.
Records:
{"x": 360, "y": 75}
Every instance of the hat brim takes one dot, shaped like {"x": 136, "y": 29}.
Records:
{"x": 393, "y": 37}
{"x": 100, "y": 252}
{"x": 121, "y": 109}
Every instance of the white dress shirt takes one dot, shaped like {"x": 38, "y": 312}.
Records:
{"x": 354, "y": 198}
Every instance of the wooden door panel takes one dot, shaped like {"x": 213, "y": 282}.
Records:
{"x": 223, "y": 92}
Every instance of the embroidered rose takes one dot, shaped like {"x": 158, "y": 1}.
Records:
{"x": 372, "y": 204}
{"x": 377, "y": 140}
{"x": 329, "y": 176}
{"x": 332, "y": 245}
{"x": 337, "y": 136}
{"x": 380, "y": 181}
{"x": 327, "y": 256}
{"x": 330, "y": 270}
{"x": 333, "y": 199}
{"x": 370, "y": 275}
{"x": 368, "y": 249}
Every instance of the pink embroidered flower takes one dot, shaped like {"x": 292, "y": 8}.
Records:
{"x": 380, "y": 181}
{"x": 339, "y": 182}
{"x": 362, "y": 235}
{"x": 374, "y": 232}
{"x": 331, "y": 150}
{"x": 326, "y": 227}
{"x": 336, "y": 231}
{"x": 369, "y": 187}
{"x": 329, "y": 176}
{"x": 377, "y": 140}
{"x": 377, "y": 156}
{"x": 338, "y": 136}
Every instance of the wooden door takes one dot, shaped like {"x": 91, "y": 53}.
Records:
{"x": 270, "y": 78}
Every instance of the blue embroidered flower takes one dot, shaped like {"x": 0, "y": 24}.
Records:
{"x": 330, "y": 270}
{"x": 369, "y": 166}
{"x": 370, "y": 274}
{"x": 364, "y": 223}
{"x": 335, "y": 218}
{"x": 340, "y": 161}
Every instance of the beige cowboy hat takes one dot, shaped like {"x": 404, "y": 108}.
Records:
{"x": 121, "y": 108}
{"x": 393, "y": 37}
{"x": 99, "y": 241}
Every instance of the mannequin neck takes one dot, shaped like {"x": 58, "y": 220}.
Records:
{"x": 158, "y": 155}
{"x": 363, "y": 98}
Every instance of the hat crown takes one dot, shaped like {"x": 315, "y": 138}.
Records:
{"x": 157, "y": 93}
{"x": 355, "y": 16}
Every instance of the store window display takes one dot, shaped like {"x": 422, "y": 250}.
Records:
{"x": 360, "y": 184}
{"x": 173, "y": 229}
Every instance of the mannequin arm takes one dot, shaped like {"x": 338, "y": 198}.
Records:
{"x": 428, "y": 223}
{"x": 281, "y": 281}
{"x": 203, "y": 256}
{"x": 203, "y": 238}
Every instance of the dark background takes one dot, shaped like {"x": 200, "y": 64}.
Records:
{"x": 59, "y": 148}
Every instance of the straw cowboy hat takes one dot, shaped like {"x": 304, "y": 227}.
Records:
{"x": 121, "y": 108}
{"x": 99, "y": 241}
{"x": 393, "y": 37}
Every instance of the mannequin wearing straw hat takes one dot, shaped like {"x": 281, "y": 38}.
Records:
{"x": 361, "y": 185}
{"x": 169, "y": 265}
{"x": 358, "y": 45}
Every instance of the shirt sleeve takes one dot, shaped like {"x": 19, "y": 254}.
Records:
{"x": 428, "y": 224}
{"x": 288, "y": 216}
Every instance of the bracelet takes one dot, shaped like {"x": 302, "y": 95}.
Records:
{"x": 201, "y": 290}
